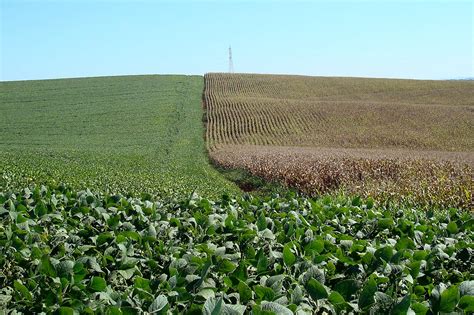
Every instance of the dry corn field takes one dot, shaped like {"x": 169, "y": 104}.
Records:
{"x": 398, "y": 139}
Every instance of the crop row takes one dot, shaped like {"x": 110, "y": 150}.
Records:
{"x": 389, "y": 139}
{"x": 302, "y": 111}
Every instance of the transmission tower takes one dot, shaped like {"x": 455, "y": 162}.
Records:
{"x": 231, "y": 63}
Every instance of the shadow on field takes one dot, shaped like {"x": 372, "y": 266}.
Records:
{"x": 249, "y": 183}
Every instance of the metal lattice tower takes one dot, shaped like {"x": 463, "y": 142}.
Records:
{"x": 231, "y": 63}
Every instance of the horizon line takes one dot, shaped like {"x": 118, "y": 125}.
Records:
{"x": 236, "y": 73}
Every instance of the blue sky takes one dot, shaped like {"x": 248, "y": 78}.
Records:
{"x": 407, "y": 39}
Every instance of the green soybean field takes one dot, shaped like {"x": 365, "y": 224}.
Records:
{"x": 80, "y": 252}
{"x": 131, "y": 134}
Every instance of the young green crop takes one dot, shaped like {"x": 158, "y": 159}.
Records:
{"x": 72, "y": 251}
{"x": 131, "y": 134}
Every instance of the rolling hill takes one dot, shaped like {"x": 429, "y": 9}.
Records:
{"x": 130, "y": 134}
{"x": 408, "y": 139}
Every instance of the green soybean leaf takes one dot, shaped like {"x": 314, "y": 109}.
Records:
{"x": 241, "y": 272}
{"x": 414, "y": 268}
{"x": 452, "y": 227}
{"x": 419, "y": 308}
{"x": 276, "y": 308}
{"x": 257, "y": 310}
{"x": 385, "y": 253}
{"x": 261, "y": 222}
{"x": 370, "y": 203}
{"x": 65, "y": 268}
{"x": 316, "y": 246}
{"x": 226, "y": 266}
{"x": 356, "y": 201}
{"x": 316, "y": 290}
{"x": 41, "y": 209}
{"x": 262, "y": 262}
{"x": 297, "y": 295}
{"x": 420, "y": 254}
{"x": 104, "y": 238}
{"x": 63, "y": 310}
{"x": 385, "y": 223}
{"x": 142, "y": 283}
{"x": 23, "y": 290}
{"x": 245, "y": 292}
{"x": 366, "y": 298}
{"x": 405, "y": 243}
{"x": 402, "y": 307}
{"x": 264, "y": 293}
{"x": 449, "y": 299}
{"x": 466, "y": 303}
{"x": 98, "y": 284}
{"x": 79, "y": 272}
{"x": 113, "y": 310}
{"x": 213, "y": 306}
{"x": 159, "y": 304}
{"x": 336, "y": 299}
{"x": 206, "y": 293}
{"x": 347, "y": 288}
{"x": 288, "y": 257}
{"x": 46, "y": 267}
{"x": 127, "y": 273}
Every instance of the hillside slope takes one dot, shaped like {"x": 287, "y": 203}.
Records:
{"x": 380, "y": 137}
{"x": 132, "y": 134}
{"x": 249, "y": 109}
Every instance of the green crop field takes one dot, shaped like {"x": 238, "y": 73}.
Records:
{"x": 98, "y": 214}
{"x": 133, "y": 134}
